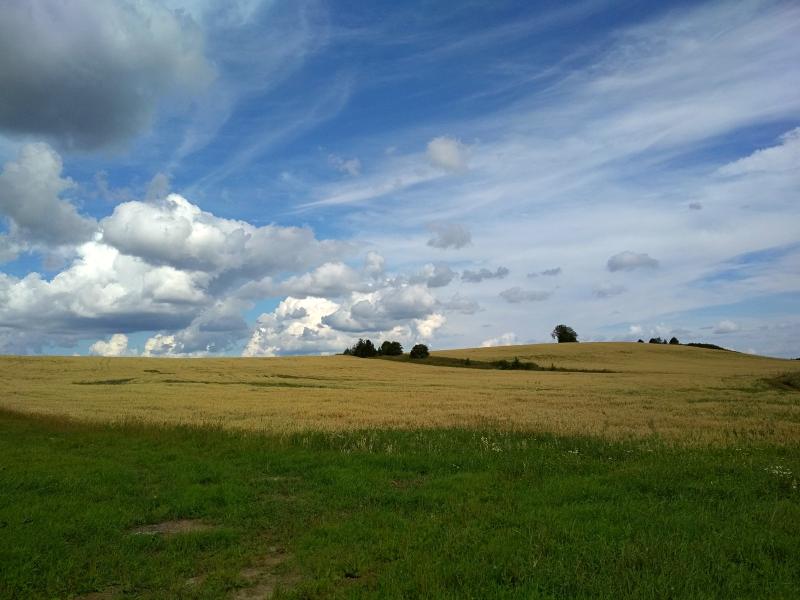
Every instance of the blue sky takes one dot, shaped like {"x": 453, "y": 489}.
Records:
{"x": 263, "y": 178}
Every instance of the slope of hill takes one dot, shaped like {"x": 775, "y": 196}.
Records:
{"x": 680, "y": 393}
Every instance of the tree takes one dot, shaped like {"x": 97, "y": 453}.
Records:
{"x": 564, "y": 334}
{"x": 391, "y": 348}
{"x": 657, "y": 340}
{"x": 419, "y": 351}
{"x": 674, "y": 341}
{"x": 641, "y": 341}
{"x": 362, "y": 349}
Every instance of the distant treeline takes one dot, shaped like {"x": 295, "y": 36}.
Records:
{"x": 366, "y": 349}
{"x": 674, "y": 342}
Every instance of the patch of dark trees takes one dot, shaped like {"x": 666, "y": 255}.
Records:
{"x": 366, "y": 349}
{"x": 674, "y": 342}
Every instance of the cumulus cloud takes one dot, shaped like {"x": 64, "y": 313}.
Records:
{"x": 328, "y": 280}
{"x": 478, "y": 276}
{"x": 117, "y": 345}
{"x": 449, "y": 235}
{"x": 384, "y": 309}
{"x": 516, "y": 295}
{"x": 628, "y": 261}
{"x": 178, "y": 233}
{"x": 435, "y": 275}
{"x": 607, "y": 290}
{"x": 374, "y": 265}
{"x": 88, "y": 74}
{"x": 350, "y": 166}
{"x": 296, "y": 327}
{"x": 448, "y": 154}
{"x": 30, "y": 190}
{"x": 726, "y": 326}
{"x": 506, "y": 339}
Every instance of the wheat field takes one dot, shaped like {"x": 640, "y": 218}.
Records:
{"x": 681, "y": 394}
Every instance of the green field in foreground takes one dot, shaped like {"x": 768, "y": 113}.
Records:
{"x": 113, "y": 510}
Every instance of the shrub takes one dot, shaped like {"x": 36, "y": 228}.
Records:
{"x": 419, "y": 351}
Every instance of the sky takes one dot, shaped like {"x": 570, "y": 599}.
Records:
{"x": 262, "y": 178}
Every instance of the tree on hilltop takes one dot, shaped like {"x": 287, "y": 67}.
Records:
{"x": 419, "y": 351}
{"x": 391, "y": 348}
{"x": 362, "y": 349}
{"x": 564, "y": 334}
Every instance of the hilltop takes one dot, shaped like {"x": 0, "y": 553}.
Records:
{"x": 675, "y": 392}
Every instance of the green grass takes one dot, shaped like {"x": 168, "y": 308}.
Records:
{"x": 425, "y": 514}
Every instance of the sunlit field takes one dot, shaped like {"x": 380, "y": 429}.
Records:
{"x": 676, "y": 393}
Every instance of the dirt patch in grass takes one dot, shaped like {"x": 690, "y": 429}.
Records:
{"x": 265, "y": 576}
{"x": 108, "y": 594}
{"x": 173, "y": 527}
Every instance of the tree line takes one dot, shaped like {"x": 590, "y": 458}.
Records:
{"x": 366, "y": 349}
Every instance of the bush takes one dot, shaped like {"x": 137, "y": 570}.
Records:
{"x": 564, "y": 334}
{"x": 419, "y": 351}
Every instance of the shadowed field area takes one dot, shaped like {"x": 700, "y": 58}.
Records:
{"x": 677, "y": 393}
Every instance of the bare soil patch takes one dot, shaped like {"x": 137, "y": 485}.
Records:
{"x": 173, "y": 527}
{"x": 263, "y": 577}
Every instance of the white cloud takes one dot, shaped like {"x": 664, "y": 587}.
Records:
{"x": 117, "y": 345}
{"x": 434, "y": 275}
{"x": 351, "y": 166}
{"x": 178, "y": 233}
{"x": 296, "y": 327}
{"x": 449, "y": 235}
{"x": 783, "y": 157}
{"x": 87, "y": 74}
{"x": 384, "y": 309}
{"x": 628, "y": 261}
{"x": 30, "y": 196}
{"x": 516, "y": 295}
{"x": 374, "y": 265}
{"x": 726, "y": 326}
{"x": 160, "y": 345}
{"x": 426, "y": 328}
{"x": 506, "y": 339}
{"x": 448, "y": 154}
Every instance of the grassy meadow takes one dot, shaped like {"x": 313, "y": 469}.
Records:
{"x": 673, "y": 475}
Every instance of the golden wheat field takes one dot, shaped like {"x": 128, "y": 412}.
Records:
{"x": 679, "y": 393}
